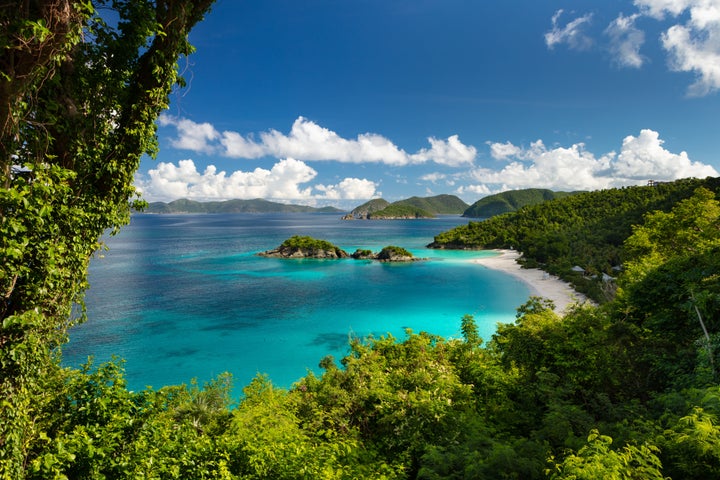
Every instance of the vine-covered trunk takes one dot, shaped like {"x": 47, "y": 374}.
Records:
{"x": 79, "y": 97}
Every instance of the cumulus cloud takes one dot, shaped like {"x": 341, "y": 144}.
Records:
{"x": 693, "y": 45}
{"x": 198, "y": 137}
{"x": 286, "y": 180}
{"x": 503, "y": 151}
{"x": 644, "y": 157}
{"x": 625, "y": 41}
{"x": 349, "y": 189}
{"x": 640, "y": 159}
{"x": 451, "y": 152}
{"x": 571, "y": 34}
{"x": 308, "y": 141}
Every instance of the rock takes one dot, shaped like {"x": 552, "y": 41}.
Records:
{"x": 307, "y": 247}
{"x": 395, "y": 254}
{"x": 361, "y": 254}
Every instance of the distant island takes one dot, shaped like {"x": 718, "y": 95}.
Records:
{"x": 377, "y": 208}
{"x": 308, "y": 247}
{"x": 257, "y": 205}
{"x": 414, "y": 207}
{"x": 511, "y": 201}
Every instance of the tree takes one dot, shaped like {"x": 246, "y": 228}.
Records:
{"x": 81, "y": 85}
{"x": 597, "y": 460}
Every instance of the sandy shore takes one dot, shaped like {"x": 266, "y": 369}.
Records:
{"x": 541, "y": 283}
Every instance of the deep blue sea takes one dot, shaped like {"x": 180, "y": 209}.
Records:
{"x": 184, "y": 296}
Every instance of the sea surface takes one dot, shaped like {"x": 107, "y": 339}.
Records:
{"x": 185, "y": 296}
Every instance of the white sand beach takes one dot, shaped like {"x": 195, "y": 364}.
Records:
{"x": 541, "y": 283}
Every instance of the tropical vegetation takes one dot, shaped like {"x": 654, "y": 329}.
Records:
{"x": 627, "y": 389}
{"x": 396, "y": 210}
{"x": 413, "y": 207}
{"x": 579, "y": 238}
{"x": 511, "y": 201}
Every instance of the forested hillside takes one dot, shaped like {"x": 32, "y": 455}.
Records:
{"x": 510, "y": 201}
{"x": 370, "y": 206}
{"x": 413, "y": 207}
{"x": 421, "y": 207}
{"x": 586, "y": 230}
{"x": 439, "y": 204}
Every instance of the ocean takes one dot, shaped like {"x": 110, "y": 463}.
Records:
{"x": 185, "y": 296}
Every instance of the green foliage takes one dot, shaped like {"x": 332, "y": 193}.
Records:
{"x": 690, "y": 442}
{"x": 671, "y": 290}
{"x": 392, "y": 251}
{"x": 510, "y": 201}
{"x": 413, "y": 207}
{"x": 78, "y": 102}
{"x": 439, "y": 204}
{"x": 597, "y": 460}
{"x": 586, "y": 229}
{"x": 396, "y": 210}
{"x": 299, "y": 242}
{"x": 370, "y": 206}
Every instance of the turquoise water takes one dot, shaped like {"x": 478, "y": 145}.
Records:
{"x": 184, "y": 296}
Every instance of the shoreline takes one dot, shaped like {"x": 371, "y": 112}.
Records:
{"x": 541, "y": 283}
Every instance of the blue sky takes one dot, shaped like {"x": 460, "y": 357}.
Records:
{"x": 327, "y": 102}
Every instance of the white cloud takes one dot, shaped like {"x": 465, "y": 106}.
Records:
{"x": 503, "y": 151}
{"x": 641, "y": 158}
{"x": 625, "y": 41}
{"x": 198, "y": 137}
{"x": 693, "y": 51}
{"x": 692, "y": 41}
{"x": 480, "y": 190}
{"x": 434, "y": 177}
{"x": 286, "y": 180}
{"x": 308, "y": 141}
{"x": 350, "y": 189}
{"x": 657, "y": 8}
{"x": 571, "y": 34}
{"x": 692, "y": 46}
{"x": 236, "y": 146}
{"x": 452, "y": 152}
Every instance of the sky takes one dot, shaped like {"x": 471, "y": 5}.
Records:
{"x": 327, "y": 102}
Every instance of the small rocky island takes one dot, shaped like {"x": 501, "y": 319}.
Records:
{"x": 308, "y": 247}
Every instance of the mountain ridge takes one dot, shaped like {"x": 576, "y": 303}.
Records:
{"x": 257, "y": 205}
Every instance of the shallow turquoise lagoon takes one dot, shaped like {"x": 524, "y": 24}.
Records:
{"x": 184, "y": 296}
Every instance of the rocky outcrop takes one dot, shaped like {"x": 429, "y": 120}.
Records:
{"x": 307, "y": 247}
{"x": 395, "y": 254}
{"x": 361, "y": 254}
{"x": 387, "y": 254}
{"x": 296, "y": 252}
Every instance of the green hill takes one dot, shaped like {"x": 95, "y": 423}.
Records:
{"x": 369, "y": 207}
{"x": 439, "y": 204}
{"x": 233, "y": 206}
{"x": 413, "y": 207}
{"x": 587, "y": 229}
{"x": 400, "y": 210}
{"x": 511, "y": 201}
